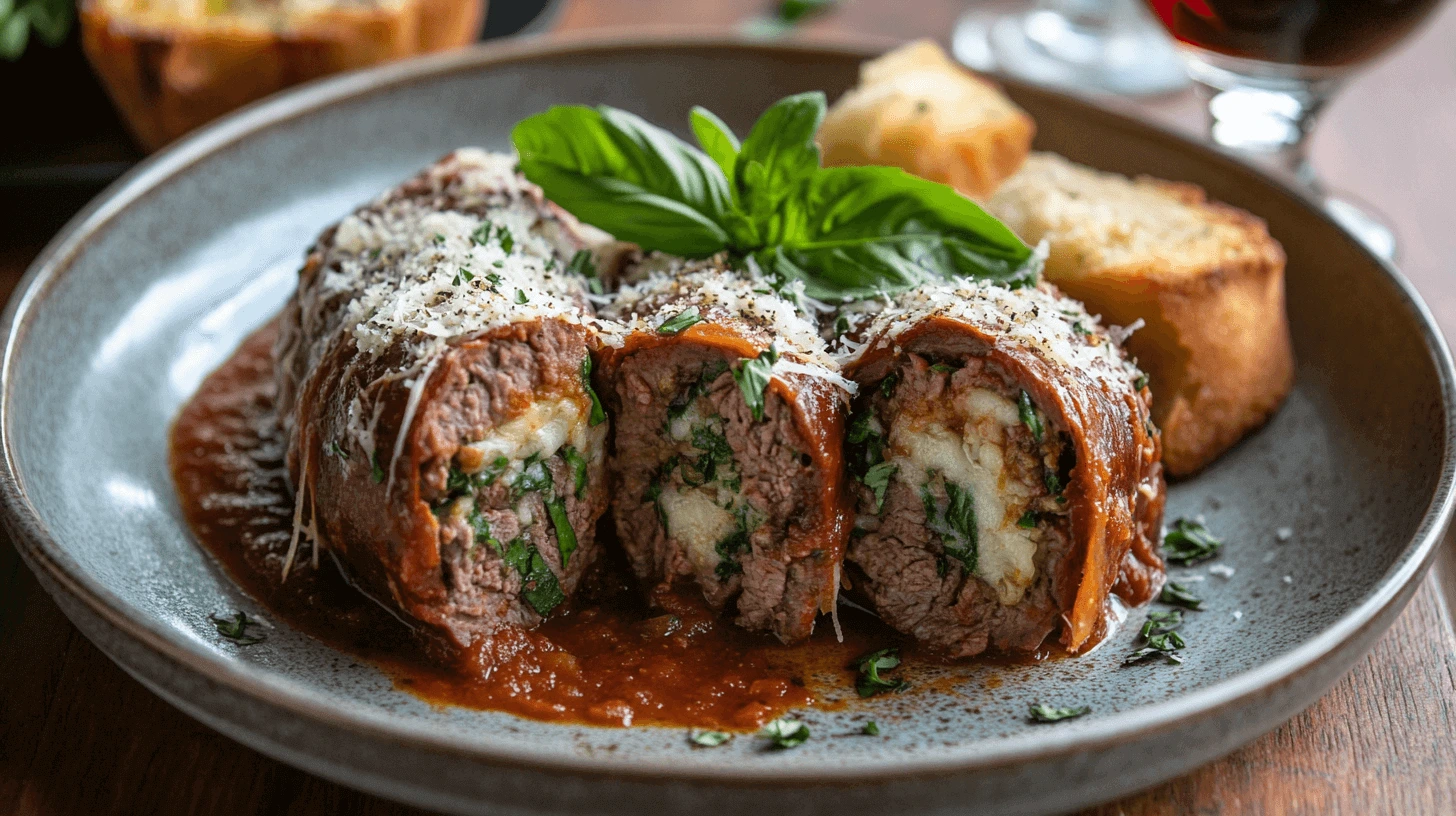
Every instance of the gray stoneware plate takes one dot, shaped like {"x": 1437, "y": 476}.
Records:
{"x": 159, "y": 279}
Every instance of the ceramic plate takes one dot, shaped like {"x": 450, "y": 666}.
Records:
{"x": 159, "y": 279}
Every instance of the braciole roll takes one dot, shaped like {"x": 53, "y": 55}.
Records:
{"x": 444, "y": 442}
{"x": 1006, "y": 472}
{"x": 729, "y": 422}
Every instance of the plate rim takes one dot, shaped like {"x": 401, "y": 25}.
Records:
{"x": 271, "y": 688}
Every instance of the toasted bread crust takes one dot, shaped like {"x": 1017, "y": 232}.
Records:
{"x": 917, "y": 109}
{"x": 170, "y": 76}
{"x": 1215, "y": 343}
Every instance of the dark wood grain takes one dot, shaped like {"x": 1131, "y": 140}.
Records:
{"x": 78, "y": 736}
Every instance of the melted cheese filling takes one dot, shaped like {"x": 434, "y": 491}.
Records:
{"x": 698, "y": 523}
{"x": 973, "y": 459}
{"x": 542, "y": 430}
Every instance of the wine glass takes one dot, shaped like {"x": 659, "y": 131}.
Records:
{"x": 1268, "y": 67}
{"x": 1082, "y": 45}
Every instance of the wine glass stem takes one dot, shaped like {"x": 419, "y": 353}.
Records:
{"x": 1271, "y": 125}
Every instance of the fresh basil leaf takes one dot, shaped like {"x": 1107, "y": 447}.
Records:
{"x": 1029, "y": 417}
{"x": 1048, "y": 714}
{"x": 871, "y": 729}
{"x": 869, "y": 667}
{"x": 635, "y": 180}
{"x": 1179, "y": 595}
{"x": 786, "y": 732}
{"x": 598, "y": 414}
{"x": 1190, "y": 542}
{"x": 779, "y": 152}
{"x": 861, "y": 231}
{"x": 376, "y": 470}
{"x": 577, "y": 463}
{"x": 752, "y": 376}
{"x": 236, "y": 628}
{"x": 717, "y": 139}
{"x": 680, "y": 322}
{"x": 708, "y": 739}
{"x": 877, "y": 478}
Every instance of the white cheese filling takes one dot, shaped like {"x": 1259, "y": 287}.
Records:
{"x": 974, "y": 460}
{"x": 544, "y": 428}
{"x": 698, "y": 523}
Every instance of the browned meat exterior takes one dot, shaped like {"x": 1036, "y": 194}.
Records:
{"x": 1007, "y": 473}
{"x": 727, "y": 458}
{"x": 444, "y": 443}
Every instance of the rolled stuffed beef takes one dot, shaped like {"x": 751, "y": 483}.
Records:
{"x": 1007, "y": 475}
{"x": 727, "y": 459}
{"x": 433, "y": 367}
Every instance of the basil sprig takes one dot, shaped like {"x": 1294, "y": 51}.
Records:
{"x": 843, "y": 231}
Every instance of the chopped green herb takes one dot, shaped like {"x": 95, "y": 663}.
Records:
{"x": 1178, "y": 595}
{"x": 236, "y": 628}
{"x": 1029, "y": 417}
{"x": 683, "y": 319}
{"x": 1141, "y": 382}
{"x": 506, "y": 237}
{"x": 786, "y": 732}
{"x": 752, "y": 376}
{"x": 1027, "y": 520}
{"x": 841, "y": 326}
{"x": 582, "y": 264}
{"x": 494, "y": 279}
{"x": 869, "y": 667}
{"x": 1160, "y": 621}
{"x": 480, "y": 526}
{"x": 534, "y": 476}
{"x": 1078, "y": 328}
{"x": 521, "y": 296}
{"x": 335, "y": 450}
{"x": 871, "y": 729}
{"x": 960, "y": 516}
{"x": 577, "y": 464}
{"x": 1053, "y": 482}
{"x": 598, "y": 414}
{"x": 463, "y": 275}
{"x": 565, "y": 535}
{"x": 1190, "y": 542}
{"x": 376, "y": 471}
{"x": 492, "y": 471}
{"x": 708, "y": 739}
{"x": 1165, "y": 644}
{"x": 539, "y": 587}
{"x": 877, "y": 478}
{"x": 438, "y": 239}
{"x": 654, "y": 495}
{"x": 727, "y": 550}
{"x": 481, "y": 235}
{"x": 943, "y": 368}
{"x": 792, "y": 11}
{"x": 1048, "y": 714}
{"x": 457, "y": 481}
{"x": 888, "y": 385}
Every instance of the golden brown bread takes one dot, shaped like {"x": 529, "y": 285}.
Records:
{"x": 1206, "y": 278}
{"x": 172, "y": 65}
{"x": 918, "y": 109}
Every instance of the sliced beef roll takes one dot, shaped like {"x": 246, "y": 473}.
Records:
{"x": 1007, "y": 475}
{"x": 444, "y": 442}
{"x": 729, "y": 422}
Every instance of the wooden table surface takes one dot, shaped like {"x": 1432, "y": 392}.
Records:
{"x": 78, "y": 736}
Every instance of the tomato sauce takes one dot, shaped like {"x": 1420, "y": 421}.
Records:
{"x": 611, "y": 657}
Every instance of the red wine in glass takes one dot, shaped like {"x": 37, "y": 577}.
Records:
{"x": 1312, "y": 33}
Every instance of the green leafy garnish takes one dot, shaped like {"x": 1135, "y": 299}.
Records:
{"x": 1048, "y": 714}
{"x": 598, "y": 414}
{"x": 457, "y": 481}
{"x": 480, "y": 526}
{"x": 335, "y": 449}
{"x": 1160, "y": 621}
{"x": 577, "y": 463}
{"x": 1029, "y": 417}
{"x": 236, "y": 628}
{"x": 1190, "y": 542}
{"x": 1178, "y": 595}
{"x": 888, "y": 385}
{"x": 792, "y": 11}
{"x": 1166, "y": 644}
{"x": 534, "y": 476}
{"x": 871, "y": 729}
{"x": 752, "y": 376}
{"x": 565, "y": 535}
{"x": 843, "y": 231}
{"x": 786, "y": 732}
{"x": 51, "y": 21}
{"x": 727, "y": 550}
{"x": 376, "y": 470}
{"x": 539, "y": 587}
{"x": 708, "y": 739}
{"x": 487, "y": 476}
{"x": 869, "y": 667}
{"x": 1027, "y": 520}
{"x": 681, "y": 321}
{"x": 1053, "y": 482}
{"x": 582, "y": 264}
{"x": 1141, "y": 382}
{"x": 463, "y": 275}
{"x": 877, "y": 478}
{"x": 956, "y": 524}
{"x": 521, "y": 297}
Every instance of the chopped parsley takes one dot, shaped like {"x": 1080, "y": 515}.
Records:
{"x": 582, "y": 264}
{"x": 792, "y": 11}
{"x": 1029, "y": 417}
{"x": 1190, "y": 542}
{"x": 1160, "y": 621}
{"x": 1027, "y": 520}
{"x": 565, "y": 535}
{"x": 457, "y": 482}
{"x": 752, "y": 376}
{"x": 480, "y": 526}
{"x": 521, "y": 296}
{"x": 236, "y": 628}
{"x": 1166, "y": 644}
{"x": 680, "y": 322}
{"x": 877, "y": 478}
{"x": 888, "y": 385}
{"x": 534, "y": 476}
{"x": 1048, "y": 714}
{"x": 334, "y": 449}
{"x": 727, "y": 550}
{"x": 1141, "y": 382}
{"x": 871, "y": 729}
{"x": 376, "y": 470}
{"x": 506, "y": 237}
{"x": 785, "y": 732}
{"x": 1078, "y": 328}
{"x": 539, "y": 587}
{"x": 598, "y": 414}
{"x": 438, "y": 239}
{"x": 481, "y": 235}
{"x": 708, "y": 739}
{"x": 1178, "y": 595}
{"x": 957, "y": 524}
{"x": 463, "y": 275}
{"x": 577, "y": 464}
{"x": 492, "y": 471}
{"x": 841, "y": 325}
{"x": 869, "y": 682}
